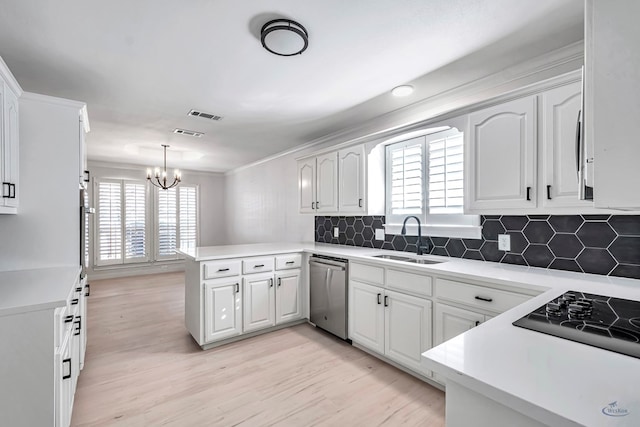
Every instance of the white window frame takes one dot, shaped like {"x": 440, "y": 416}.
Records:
{"x": 436, "y": 225}
{"x": 96, "y": 226}
{"x": 156, "y": 232}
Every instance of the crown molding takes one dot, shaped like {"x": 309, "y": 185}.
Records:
{"x": 142, "y": 168}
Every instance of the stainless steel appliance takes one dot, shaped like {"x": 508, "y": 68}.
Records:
{"x": 600, "y": 321}
{"x": 328, "y": 289}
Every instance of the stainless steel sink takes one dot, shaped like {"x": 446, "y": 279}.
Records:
{"x": 408, "y": 259}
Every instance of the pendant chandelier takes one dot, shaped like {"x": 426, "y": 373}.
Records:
{"x": 159, "y": 177}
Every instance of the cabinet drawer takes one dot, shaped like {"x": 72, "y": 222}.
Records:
{"x": 285, "y": 262}
{"x": 409, "y": 282}
{"x": 63, "y": 322}
{"x": 478, "y": 296}
{"x": 257, "y": 265}
{"x": 366, "y": 273}
{"x": 222, "y": 268}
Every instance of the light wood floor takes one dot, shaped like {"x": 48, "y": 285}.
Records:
{"x": 143, "y": 369}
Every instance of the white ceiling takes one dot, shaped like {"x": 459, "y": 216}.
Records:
{"x": 142, "y": 65}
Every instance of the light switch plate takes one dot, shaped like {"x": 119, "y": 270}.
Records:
{"x": 336, "y": 232}
{"x": 504, "y": 242}
{"x": 379, "y": 233}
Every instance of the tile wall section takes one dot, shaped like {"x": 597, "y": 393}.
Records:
{"x": 598, "y": 244}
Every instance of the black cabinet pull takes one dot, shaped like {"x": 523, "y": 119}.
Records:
{"x": 484, "y": 299}
{"x": 279, "y": 281}
{"x": 528, "y": 193}
{"x": 75, "y": 301}
{"x": 290, "y": 262}
{"x": 237, "y": 287}
{"x": 220, "y": 270}
{"x": 88, "y": 290}
{"x": 548, "y": 192}
{"x": 78, "y": 324}
{"x": 68, "y": 319}
{"x": 6, "y": 190}
{"x": 87, "y": 176}
{"x": 12, "y": 191}
{"x": 477, "y": 322}
{"x": 271, "y": 283}
{"x": 386, "y": 301}
{"x": 313, "y": 205}
{"x": 359, "y": 203}
{"x": 379, "y": 302}
{"x": 66, "y": 377}
{"x": 317, "y": 205}
{"x": 258, "y": 266}
{"x": 79, "y": 289}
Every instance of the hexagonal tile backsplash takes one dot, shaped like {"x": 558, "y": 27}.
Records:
{"x": 599, "y": 244}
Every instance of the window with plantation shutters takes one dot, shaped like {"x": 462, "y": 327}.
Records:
{"x": 425, "y": 178}
{"x": 187, "y": 213}
{"x": 167, "y": 223}
{"x": 177, "y": 220}
{"x": 121, "y": 222}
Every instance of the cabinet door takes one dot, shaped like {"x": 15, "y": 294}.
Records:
{"x": 258, "y": 302}
{"x": 63, "y": 382}
{"x": 288, "y": 297}
{"x": 307, "y": 185}
{"x": 366, "y": 316}
{"x": 351, "y": 179}
{"x": 560, "y": 109}
{"x": 407, "y": 327}
{"x": 10, "y": 151}
{"x": 451, "y": 322}
{"x": 327, "y": 184}
{"x": 222, "y": 311}
{"x": 502, "y": 153}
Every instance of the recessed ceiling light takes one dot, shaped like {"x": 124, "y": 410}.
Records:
{"x": 284, "y": 37}
{"x": 404, "y": 90}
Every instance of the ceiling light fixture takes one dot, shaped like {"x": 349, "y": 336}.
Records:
{"x": 284, "y": 37}
{"x": 160, "y": 177}
{"x": 404, "y": 90}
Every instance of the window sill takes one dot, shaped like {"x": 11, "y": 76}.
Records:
{"x": 455, "y": 231}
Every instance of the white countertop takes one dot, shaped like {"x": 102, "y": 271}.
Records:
{"x": 556, "y": 381}
{"x": 31, "y": 290}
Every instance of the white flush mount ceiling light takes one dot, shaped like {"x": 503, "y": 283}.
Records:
{"x": 404, "y": 90}
{"x": 284, "y": 37}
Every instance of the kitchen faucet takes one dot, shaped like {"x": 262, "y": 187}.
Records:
{"x": 420, "y": 248}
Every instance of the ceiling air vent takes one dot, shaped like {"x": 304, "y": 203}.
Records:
{"x": 188, "y": 132}
{"x": 196, "y": 113}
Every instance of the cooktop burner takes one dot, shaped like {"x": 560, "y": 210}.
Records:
{"x": 605, "y": 322}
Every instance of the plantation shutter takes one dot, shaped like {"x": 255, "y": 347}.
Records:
{"x": 446, "y": 195}
{"x": 405, "y": 183}
{"x": 135, "y": 222}
{"x": 167, "y": 223}
{"x": 188, "y": 219}
{"x": 109, "y": 222}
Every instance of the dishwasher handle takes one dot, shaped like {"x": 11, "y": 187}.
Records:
{"x": 327, "y": 263}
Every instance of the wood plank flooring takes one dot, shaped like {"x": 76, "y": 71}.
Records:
{"x": 143, "y": 368}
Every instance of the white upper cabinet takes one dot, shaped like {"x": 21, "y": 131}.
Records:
{"x": 502, "y": 150}
{"x": 307, "y": 185}
{"x": 10, "y": 91}
{"x": 327, "y": 183}
{"x": 560, "y": 108}
{"x": 351, "y": 180}
{"x": 612, "y": 106}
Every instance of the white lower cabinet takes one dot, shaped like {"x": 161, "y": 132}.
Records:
{"x": 288, "y": 302}
{"x": 258, "y": 302}
{"x": 390, "y": 323}
{"x": 452, "y": 321}
{"x": 222, "y": 309}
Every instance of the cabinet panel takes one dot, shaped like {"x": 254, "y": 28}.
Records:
{"x": 307, "y": 185}
{"x": 222, "y": 311}
{"x": 287, "y": 262}
{"x": 327, "y": 185}
{"x": 288, "y": 297}
{"x": 366, "y": 315}
{"x": 257, "y": 265}
{"x": 560, "y": 109}
{"x": 409, "y": 282}
{"x": 223, "y": 268}
{"x": 351, "y": 178}
{"x": 11, "y": 142}
{"x": 479, "y": 296}
{"x": 407, "y": 329}
{"x": 258, "y": 302}
{"x": 451, "y": 322}
{"x": 366, "y": 273}
{"x": 502, "y": 143}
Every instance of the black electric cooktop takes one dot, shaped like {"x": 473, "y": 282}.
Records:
{"x": 600, "y": 321}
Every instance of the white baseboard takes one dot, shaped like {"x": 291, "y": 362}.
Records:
{"x": 115, "y": 272}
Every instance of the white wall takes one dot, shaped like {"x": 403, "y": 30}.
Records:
{"x": 46, "y": 230}
{"x": 211, "y": 213}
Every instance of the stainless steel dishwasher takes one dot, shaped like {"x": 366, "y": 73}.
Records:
{"x": 328, "y": 294}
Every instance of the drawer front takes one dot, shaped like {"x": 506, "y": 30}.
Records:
{"x": 257, "y": 265}
{"x": 478, "y": 296}
{"x": 409, "y": 282}
{"x": 222, "y": 268}
{"x": 366, "y": 273}
{"x": 286, "y": 262}
{"x": 61, "y": 324}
